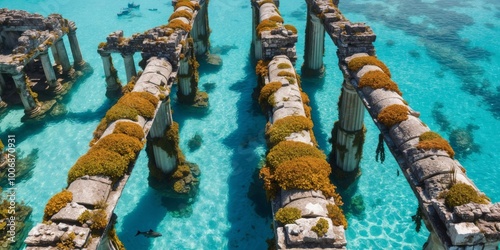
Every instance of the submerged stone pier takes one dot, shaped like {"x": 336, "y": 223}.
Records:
{"x": 141, "y": 116}
{"x": 26, "y": 41}
{"x": 426, "y": 159}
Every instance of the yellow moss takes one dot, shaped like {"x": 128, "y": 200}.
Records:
{"x": 142, "y": 102}
{"x": 97, "y": 218}
{"x": 114, "y": 238}
{"x": 291, "y": 28}
{"x": 120, "y": 111}
{"x": 187, "y": 3}
{"x": 378, "y": 80}
{"x": 270, "y": 186}
{"x": 56, "y": 203}
{"x": 1, "y": 146}
{"x": 125, "y": 145}
{"x": 337, "y": 216}
{"x": 178, "y": 24}
{"x": 305, "y": 98}
{"x": 321, "y": 227}
{"x": 181, "y": 171}
{"x": 130, "y": 86}
{"x": 287, "y": 215}
{"x": 286, "y": 73}
{"x": 68, "y": 243}
{"x": 358, "y": 63}
{"x": 306, "y": 173}
{"x": 266, "y": 92}
{"x": 278, "y": 19}
{"x": 290, "y": 150}
{"x": 266, "y": 25}
{"x": 284, "y": 66}
{"x": 393, "y": 114}
{"x": 461, "y": 193}
{"x": 286, "y": 126}
{"x": 181, "y": 13}
{"x": 431, "y": 140}
{"x": 130, "y": 129}
{"x": 266, "y": 1}
{"x": 99, "y": 162}
{"x": 261, "y": 68}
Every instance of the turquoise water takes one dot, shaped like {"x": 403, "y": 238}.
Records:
{"x": 441, "y": 53}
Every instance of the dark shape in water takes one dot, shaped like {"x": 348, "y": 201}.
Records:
{"x": 489, "y": 25}
{"x": 149, "y": 234}
{"x": 414, "y": 53}
{"x": 152, "y": 9}
{"x": 222, "y": 50}
{"x": 24, "y": 167}
{"x": 390, "y": 43}
{"x": 257, "y": 195}
{"x": 133, "y": 5}
{"x": 195, "y": 142}
{"x": 439, "y": 117}
{"x": 209, "y": 86}
{"x": 124, "y": 12}
{"x": 462, "y": 141}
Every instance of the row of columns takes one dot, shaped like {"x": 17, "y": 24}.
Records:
{"x": 112, "y": 81}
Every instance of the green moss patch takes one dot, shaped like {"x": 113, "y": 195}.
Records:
{"x": 461, "y": 193}
{"x": 321, "y": 227}
{"x": 287, "y": 215}
{"x": 431, "y": 140}
{"x": 357, "y": 63}
{"x": 378, "y": 80}
{"x": 393, "y": 114}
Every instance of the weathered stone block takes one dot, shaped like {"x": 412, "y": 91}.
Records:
{"x": 465, "y": 233}
{"x": 432, "y": 166}
{"x": 406, "y": 130}
{"x": 69, "y": 213}
{"x": 290, "y": 195}
{"x": 310, "y": 207}
{"x": 90, "y": 190}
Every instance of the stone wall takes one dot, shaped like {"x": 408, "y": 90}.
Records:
{"x": 90, "y": 192}
{"x": 287, "y": 101}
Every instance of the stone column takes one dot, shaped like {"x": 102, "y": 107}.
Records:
{"x": 201, "y": 30}
{"x": 163, "y": 119}
{"x": 49, "y": 72}
{"x": 350, "y": 131}
{"x": 314, "y": 45}
{"x": 130, "y": 70}
{"x": 257, "y": 44}
{"x": 184, "y": 77}
{"x": 75, "y": 48}
{"x": 110, "y": 72}
{"x": 29, "y": 102}
{"x": 63, "y": 55}
{"x": 55, "y": 54}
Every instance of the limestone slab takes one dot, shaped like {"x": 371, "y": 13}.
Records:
{"x": 432, "y": 166}
{"x": 69, "y": 213}
{"x": 310, "y": 207}
{"x": 406, "y": 130}
{"x": 465, "y": 233}
{"x": 90, "y": 191}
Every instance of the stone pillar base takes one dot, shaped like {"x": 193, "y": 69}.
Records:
{"x": 313, "y": 72}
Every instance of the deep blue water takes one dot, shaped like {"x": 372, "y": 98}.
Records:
{"x": 443, "y": 54}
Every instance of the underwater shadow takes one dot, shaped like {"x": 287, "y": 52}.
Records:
{"x": 244, "y": 185}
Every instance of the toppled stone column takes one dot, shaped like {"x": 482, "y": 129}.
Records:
{"x": 112, "y": 82}
{"x": 349, "y": 131}
{"x": 75, "y": 47}
{"x": 63, "y": 55}
{"x": 49, "y": 72}
{"x": 315, "y": 45}
{"x": 29, "y": 102}
{"x": 128, "y": 59}
{"x": 201, "y": 30}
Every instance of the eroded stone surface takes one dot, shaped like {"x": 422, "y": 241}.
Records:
{"x": 465, "y": 233}
{"x": 90, "y": 190}
{"x": 69, "y": 213}
{"x": 310, "y": 207}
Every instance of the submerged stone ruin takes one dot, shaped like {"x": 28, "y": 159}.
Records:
{"x": 26, "y": 73}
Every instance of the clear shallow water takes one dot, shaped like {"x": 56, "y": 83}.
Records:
{"x": 223, "y": 217}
